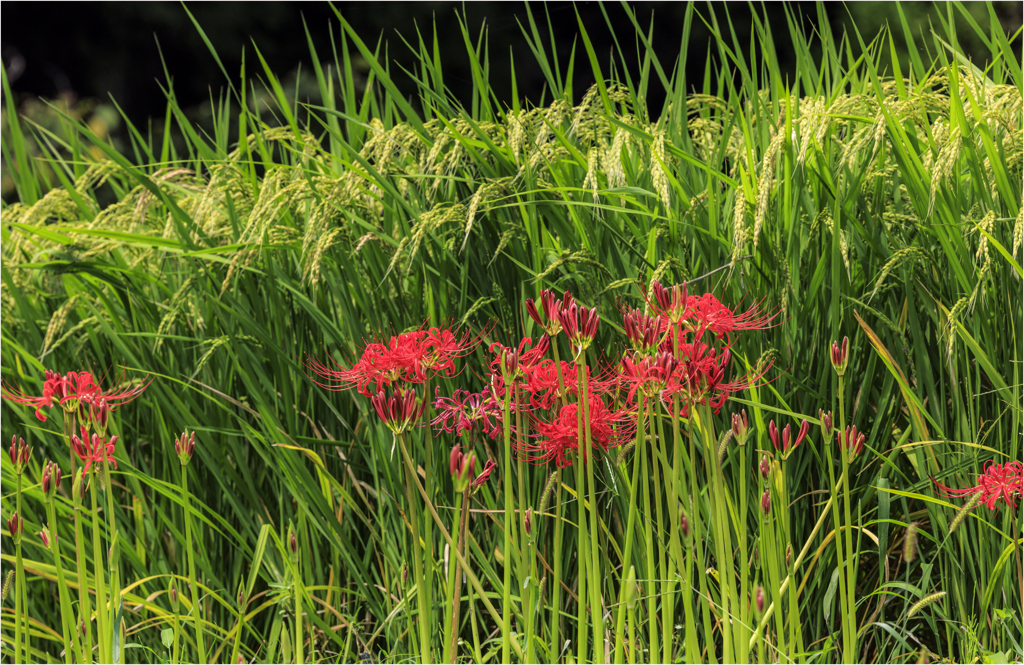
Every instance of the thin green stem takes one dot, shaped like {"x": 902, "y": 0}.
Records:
{"x": 175, "y": 648}
{"x": 453, "y": 574}
{"x": 102, "y": 634}
{"x": 417, "y": 559}
{"x": 19, "y": 582}
{"x": 555, "y": 631}
{"x": 596, "y": 610}
{"x": 837, "y": 525}
{"x": 627, "y": 554}
{"x": 84, "y": 606}
{"x": 197, "y": 620}
{"x": 679, "y": 481}
{"x": 652, "y": 605}
{"x": 297, "y": 592}
{"x": 67, "y": 617}
{"x": 851, "y": 572}
{"x": 698, "y": 539}
{"x": 506, "y": 481}
{"x": 665, "y": 573}
{"x": 115, "y": 556}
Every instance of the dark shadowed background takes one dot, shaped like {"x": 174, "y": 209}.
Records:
{"x": 92, "y": 53}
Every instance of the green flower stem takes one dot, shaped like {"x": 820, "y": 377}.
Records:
{"x": 238, "y": 631}
{"x": 429, "y": 560}
{"x": 461, "y": 547}
{"x": 698, "y": 546}
{"x": 297, "y": 592}
{"x": 745, "y": 595}
{"x": 417, "y": 559}
{"x": 770, "y": 561}
{"x": 582, "y": 557}
{"x": 175, "y": 649}
{"x": 837, "y": 524}
{"x": 197, "y": 620}
{"x": 506, "y": 482}
{"x": 477, "y": 654}
{"x": 524, "y": 542}
{"x": 652, "y": 597}
{"x": 799, "y": 559}
{"x": 851, "y": 563}
{"x": 796, "y": 642}
{"x": 102, "y": 634}
{"x": 19, "y": 588}
{"x": 596, "y": 610}
{"x": 114, "y": 563}
{"x": 679, "y": 481}
{"x": 67, "y": 617}
{"x": 84, "y": 607}
{"x": 451, "y": 630}
{"x": 628, "y": 548}
{"x": 473, "y": 579}
{"x": 555, "y": 630}
{"x": 664, "y": 564}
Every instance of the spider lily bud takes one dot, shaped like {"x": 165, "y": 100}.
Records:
{"x": 759, "y": 600}
{"x": 580, "y": 325}
{"x": 293, "y": 545}
{"x": 670, "y": 302}
{"x": 15, "y": 527}
{"x": 764, "y": 467}
{"x": 766, "y": 503}
{"x": 461, "y": 467}
{"x": 51, "y": 480}
{"x": 44, "y": 535}
{"x": 241, "y": 594}
{"x": 789, "y": 554}
{"x": 527, "y": 521}
{"x": 642, "y": 331}
{"x": 684, "y": 526}
{"x": 99, "y": 414}
{"x": 399, "y": 411}
{"x": 740, "y": 427}
{"x": 405, "y": 573}
{"x": 172, "y": 592}
{"x": 550, "y": 306}
{"x": 531, "y": 309}
{"x": 840, "y": 356}
{"x": 826, "y": 424}
{"x": 852, "y": 442}
{"x": 485, "y": 474}
{"x": 184, "y": 446}
{"x": 19, "y": 454}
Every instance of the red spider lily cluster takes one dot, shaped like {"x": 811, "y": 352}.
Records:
{"x": 95, "y": 449}
{"x": 677, "y": 351}
{"x": 76, "y": 390}
{"x": 999, "y": 481}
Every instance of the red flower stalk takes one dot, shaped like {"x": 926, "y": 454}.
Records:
{"x": 96, "y": 449}
{"x": 549, "y": 323}
{"x": 643, "y": 332}
{"x": 852, "y": 442}
{"x": 51, "y": 479}
{"x": 458, "y": 412}
{"x": 15, "y": 527}
{"x": 787, "y": 444}
{"x": 999, "y": 481}
{"x": 485, "y": 474}
{"x": 580, "y": 325}
{"x": 399, "y": 411}
{"x": 740, "y": 427}
{"x": 44, "y": 535}
{"x": 461, "y": 467}
{"x": 839, "y": 355}
{"x": 20, "y": 454}
{"x": 669, "y": 303}
{"x": 608, "y": 429}
{"x": 184, "y": 446}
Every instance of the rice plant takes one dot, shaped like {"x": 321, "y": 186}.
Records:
{"x": 370, "y": 378}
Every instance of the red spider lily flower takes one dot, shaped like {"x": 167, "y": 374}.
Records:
{"x": 999, "y": 481}
{"x": 15, "y": 527}
{"x": 399, "y": 411}
{"x": 184, "y": 446}
{"x": 461, "y": 467}
{"x": 643, "y": 332}
{"x": 95, "y": 449}
{"x": 51, "y": 479}
{"x": 852, "y": 442}
{"x": 840, "y": 356}
{"x": 406, "y": 357}
{"x": 72, "y": 389}
{"x": 649, "y": 375}
{"x": 740, "y": 427}
{"x": 787, "y": 443}
{"x": 513, "y": 366}
{"x": 670, "y": 303}
{"x": 706, "y": 312}
{"x": 20, "y": 454}
{"x": 580, "y": 325}
{"x": 458, "y": 412}
{"x": 560, "y": 438}
{"x": 542, "y": 382}
{"x": 549, "y": 323}
{"x": 485, "y": 474}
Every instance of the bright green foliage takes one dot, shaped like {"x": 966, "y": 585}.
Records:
{"x": 884, "y": 209}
